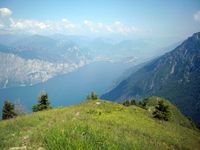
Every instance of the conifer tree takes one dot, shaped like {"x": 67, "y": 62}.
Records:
{"x": 92, "y": 96}
{"x": 126, "y": 103}
{"x": 8, "y": 110}
{"x": 162, "y": 111}
{"x": 43, "y": 103}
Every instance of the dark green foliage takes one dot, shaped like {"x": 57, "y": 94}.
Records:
{"x": 126, "y": 103}
{"x": 162, "y": 111}
{"x": 142, "y": 104}
{"x": 43, "y": 103}
{"x": 8, "y": 110}
{"x": 129, "y": 102}
{"x": 133, "y": 102}
{"x": 92, "y": 96}
{"x": 198, "y": 125}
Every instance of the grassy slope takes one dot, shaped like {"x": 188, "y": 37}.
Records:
{"x": 96, "y": 125}
{"x": 176, "y": 115}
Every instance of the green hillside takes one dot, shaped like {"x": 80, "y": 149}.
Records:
{"x": 99, "y": 125}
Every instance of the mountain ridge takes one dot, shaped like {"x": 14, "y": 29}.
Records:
{"x": 175, "y": 76}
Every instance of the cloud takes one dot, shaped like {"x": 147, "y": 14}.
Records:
{"x": 35, "y": 26}
{"x": 115, "y": 27}
{"x": 23, "y": 25}
{"x": 124, "y": 29}
{"x": 197, "y": 16}
{"x": 90, "y": 25}
{"x": 5, "y": 12}
{"x": 13, "y": 25}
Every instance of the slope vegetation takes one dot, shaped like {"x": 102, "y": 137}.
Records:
{"x": 96, "y": 125}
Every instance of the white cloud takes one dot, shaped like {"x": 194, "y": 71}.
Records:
{"x": 90, "y": 25}
{"x": 124, "y": 29}
{"x": 5, "y": 12}
{"x": 115, "y": 27}
{"x": 197, "y": 16}
{"x": 9, "y": 24}
{"x": 1, "y": 26}
{"x": 32, "y": 26}
{"x": 35, "y": 26}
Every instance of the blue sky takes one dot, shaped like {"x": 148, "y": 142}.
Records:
{"x": 129, "y": 17}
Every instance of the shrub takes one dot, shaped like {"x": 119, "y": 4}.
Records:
{"x": 133, "y": 102}
{"x": 126, "y": 103}
{"x": 162, "y": 111}
{"x": 143, "y": 103}
{"x": 43, "y": 103}
{"x": 8, "y": 110}
{"x": 129, "y": 102}
{"x": 92, "y": 96}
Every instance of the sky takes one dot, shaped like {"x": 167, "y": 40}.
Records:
{"x": 161, "y": 18}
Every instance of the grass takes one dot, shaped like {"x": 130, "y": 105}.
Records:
{"x": 96, "y": 125}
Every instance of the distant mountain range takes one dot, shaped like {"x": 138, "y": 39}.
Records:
{"x": 68, "y": 89}
{"x": 30, "y": 59}
{"x": 67, "y": 67}
{"x": 175, "y": 76}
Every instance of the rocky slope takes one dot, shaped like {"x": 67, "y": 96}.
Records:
{"x": 175, "y": 75}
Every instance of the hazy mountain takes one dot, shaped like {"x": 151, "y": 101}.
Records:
{"x": 16, "y": 71}
{"x": 69, "y": 88}
{"x": 175, "y": 75}
{"x": 31, "y": 59}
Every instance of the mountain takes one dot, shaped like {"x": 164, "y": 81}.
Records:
{"x": 98, "y": 124}
{"x": 62, "y": 89}
{"x": 175, "y": 76}
{"x": 17, "y": 71}
{"x": 45, "y": 48}
{"x": 30, "y": 59}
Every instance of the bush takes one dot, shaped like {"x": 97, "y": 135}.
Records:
{"x": 92, "y": 96}
{"x": 43, "y": 103}
{"x": 126, "y": 103}
{"x": 129, "y": 102}
{"x": 133, "y": 102}
{"x": 8, "y": 110}
{"x": 162, "y": 111}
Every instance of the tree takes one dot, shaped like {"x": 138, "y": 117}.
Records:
{"x": 8, "y": 110}
{"x": 129, "y": 102}
{"x": 142, "y": 104}
{"x": 162, "y": 111}
{"x": 92, "y": 96}
{"x": 133, "y": 102}
{"x": 126, "y": 103}
{"x": 43, "y": 103}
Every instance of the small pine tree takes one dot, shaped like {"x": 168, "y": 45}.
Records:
{"x": 133, "y": 102}
{"x": 162, "y": 111}
{"x": 126, "y": 103}
{"x": 43, "y": 103}
{"x": 8, "y": 110}
{"x": 129, "y": 102}
{"x": 92, "y": 96}
{"x": 142, "y": 104}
